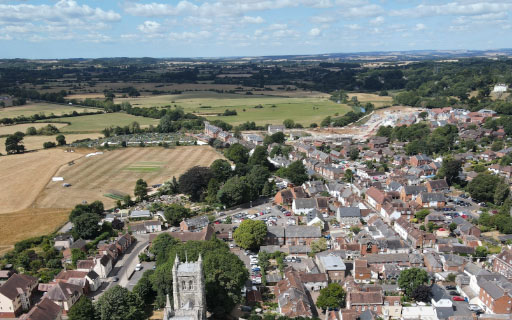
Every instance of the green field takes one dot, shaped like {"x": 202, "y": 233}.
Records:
{"x": 275, "y": 109}
{"x": 37, "y": 108}
{"x": 145, "y": 166}
{"x": 98, "y": 122}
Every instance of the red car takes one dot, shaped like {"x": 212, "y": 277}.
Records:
{"x": 457, "y": 298}
{"x": 288, "y": 214}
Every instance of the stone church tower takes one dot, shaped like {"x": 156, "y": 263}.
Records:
{"x": 188, "y": 292}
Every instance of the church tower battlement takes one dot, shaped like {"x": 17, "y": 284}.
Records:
{"x": 188, "y": 291}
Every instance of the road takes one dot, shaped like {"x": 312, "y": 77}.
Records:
{"x": 124, "y": 266}
{"x": 138, "y": 274}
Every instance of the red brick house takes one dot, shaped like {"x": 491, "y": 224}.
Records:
{"x": 502, "y": 264}
{"x": 362, "y": 272}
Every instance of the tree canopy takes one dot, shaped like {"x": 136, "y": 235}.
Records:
{"x": 194, "y": 182}
{"x": 332, "y": 296}
{"x": 410, "y": 279}
{"x": 250, "y": 234}
{"x": 118, "y": 303}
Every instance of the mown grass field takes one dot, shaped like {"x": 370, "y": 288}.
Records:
{"x": 274, "y": 109}
{"x": 37, "y": 108}
{"x": 116, "y": 172}
{"x": 98, "y": 122}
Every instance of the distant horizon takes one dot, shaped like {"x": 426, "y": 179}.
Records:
{"x": 449, "y": 52}
{"x": 46, "y": 29}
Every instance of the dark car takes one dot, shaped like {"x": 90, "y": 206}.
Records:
{"x": 450, "y": 287}
{"x": 115, "y": 279}
{"x": 453, "y": 293}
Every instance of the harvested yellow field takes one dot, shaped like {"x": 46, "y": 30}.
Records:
{"x": 4, "y": 130}
{"x": 36, "y": 142}
{"x": 25, "y": 175}
{"x": 377, "y": 100}
{"x": 116, "y": 171}
{"x": 31, "y": 222}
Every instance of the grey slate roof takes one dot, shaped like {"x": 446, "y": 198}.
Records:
{"x": 275, "y": 231}
{"x": 305, "y": 203}
{"x": 303, "y": 232}
{"x": 431, "y": 196}
{"x": 349, "y": 212}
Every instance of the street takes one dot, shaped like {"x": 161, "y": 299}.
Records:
{"x": 124, "y": 266}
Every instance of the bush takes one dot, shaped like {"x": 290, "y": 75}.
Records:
{"x": 49, "y": 144}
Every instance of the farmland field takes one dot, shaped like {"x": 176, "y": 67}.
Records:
{"x": 36, "y": 142}
{"x": 378, "y": 101}
{"x": 98, "y": 122}
{"x": 25, "y": 175}
{"x": 274, "y": 109}
{"x": 27, "y": 223}
{"x": 37, "y": 108}
{"x": 116, "y": 172}
{"x": 5, "y": 130}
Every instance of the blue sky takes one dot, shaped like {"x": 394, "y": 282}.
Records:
{"x": 212, "y": 28}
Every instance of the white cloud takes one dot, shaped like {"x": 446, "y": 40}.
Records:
{"x": 420, "y": 26}
{"x": 315, "y": 32}
{"x": 186, "y": 35}
{"x": 455, "y": 8}
{"x": 322, "y": 19}
{"x": 377, "y": 21}
{"x": 354, "y": 26}
{"x": 277, "y": 26}
{"x": 255, "y": 20}
{"x": 370, "y": 10}
{"x": 149, "y": 27}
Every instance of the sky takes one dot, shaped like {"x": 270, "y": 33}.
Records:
{"x": 223, "y": 28}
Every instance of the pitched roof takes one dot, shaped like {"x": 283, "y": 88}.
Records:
{"x": 62, "y": 291}
{"x": 44, "y": 310}
{"x": 11, "y": 287}
{"x": 303, "y": 232}
{"x": 304, "y": 203}
{"x": 438, "y": 184}
{"x": 345, "y": 212}
{"x": 431, "y": 196}
{"x": 378, "y": 195}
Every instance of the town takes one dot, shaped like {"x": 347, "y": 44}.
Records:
{"x": 345, "y": 228}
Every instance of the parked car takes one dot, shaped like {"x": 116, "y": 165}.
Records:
{"x": 457, "y": 298}
{"x": 450, "y": 287}
{"x": 453, "y": 293}
{"x": 138, "y": 267}
{"x": 115, "y": 279}
{"x": 474, "y": 308}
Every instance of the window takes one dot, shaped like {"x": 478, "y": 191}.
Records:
{"x": 190, "y": 285}
{"x": 183, "y": 285}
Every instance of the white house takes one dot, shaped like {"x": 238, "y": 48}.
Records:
{"x": 302, "y": 206}
{"x": 103, "y": 266}
{"x": 500, "y": 88}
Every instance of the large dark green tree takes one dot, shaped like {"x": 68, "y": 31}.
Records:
{"x": 14, "y": 143}
{"x": 141, "y": 190}
{"x": 194, "y": 182}
{"x": 483, "y": 187}
{"x": 235, "y": 191}
{"x": 86, "y": 226}
{"x": 250, "y": 234}
{"x": 410, "y": 279}
{"x": 332, "y": 296}
{"x": 296, "y": 173}
{"x": 221, "y": 170}
{"x": 83, "y": 309}
{"x": 237, "y": 153}
{"x": 450, "y": 170}
{"x": 259, "y": 157}
{"x": 175, "y": 213}
{"x": 118, "y": 303}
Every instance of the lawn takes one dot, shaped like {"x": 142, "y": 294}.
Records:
{"x": 98, "y": 122}
{"x": 37, "y": 108}
{"x": 274, "y": 109}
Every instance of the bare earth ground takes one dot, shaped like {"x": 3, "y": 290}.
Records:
{"x": 36, "y": 142}
{"x": 24, "y": 176}
{"x": 91, "y": 178}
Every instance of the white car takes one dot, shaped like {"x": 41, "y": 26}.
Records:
{"x": 474, "y": 307}
{"x": 138, "y": 267}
